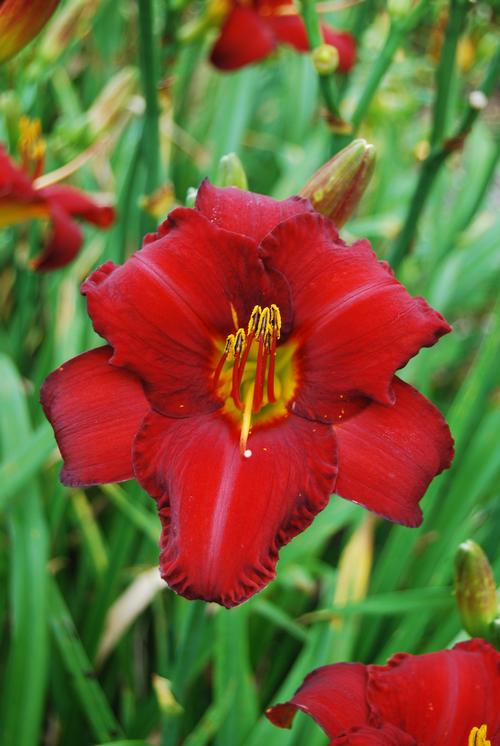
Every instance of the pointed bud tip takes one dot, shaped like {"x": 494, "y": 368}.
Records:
{"x": 335, "y": 190}
{"x": 231, "y": 172}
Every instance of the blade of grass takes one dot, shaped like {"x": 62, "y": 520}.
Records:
{"x": 26, "y": 669}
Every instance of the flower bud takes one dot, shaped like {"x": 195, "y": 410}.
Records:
{"x": 475, "y": 589}
{"x": 337, "y": 187}
{"x": 20, "y": 22}
{"x": 325, "y": 59}
{"x": 231, "y": 172}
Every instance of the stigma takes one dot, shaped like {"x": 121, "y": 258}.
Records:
{"x": 252, "y": 353}
{"x": 478, "y": 737}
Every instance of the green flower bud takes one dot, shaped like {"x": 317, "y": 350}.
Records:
{"x": 325, "y": 59}
{"x": 337, "y": 187}
{"x": 231, "y": 172}
{"x": 475, "y": 589}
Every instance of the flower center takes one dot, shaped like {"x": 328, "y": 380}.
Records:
{"x": 254, "y": 375}
{"x": 477, "y": 737}
{"x": 31, "y": 146}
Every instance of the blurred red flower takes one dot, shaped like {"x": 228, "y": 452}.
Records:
{"x": 20, "y": 22}
{"x": 252, "y": 30}
{"x": 452, "y": 696}
{"x": 250, "y": 373}
{"x": 21, "y": 199}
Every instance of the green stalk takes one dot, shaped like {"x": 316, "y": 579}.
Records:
{"x": 434, "y": 161}
{"x": 446, "y": 71}
{"x": 399, "y": 28}
{"x": 148, "y": 64}
{"x": 327, "y": 83}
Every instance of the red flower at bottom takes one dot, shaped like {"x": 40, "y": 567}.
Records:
{"x": 450, "y": 697}
{"x": 252, "y": 31}
{"x": 249, "y": 374}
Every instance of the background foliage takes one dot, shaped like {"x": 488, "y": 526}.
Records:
{"x": 94, "y": 648}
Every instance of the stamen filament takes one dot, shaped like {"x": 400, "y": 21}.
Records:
{"x": 260, "y": 373}
{"x": 235, "y": 386}
{"x": 228, "y": 347}
{"x": 271, "y": 397}
{"x": 244, "y": 357}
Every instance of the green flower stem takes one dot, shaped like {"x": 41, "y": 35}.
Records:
{"x": 399, "y": 28}
{"x": 327, "y": 83}
{"x": 434, "y": 161}
{"x": 446, "y": 70}
{"x": 149, "y": 75}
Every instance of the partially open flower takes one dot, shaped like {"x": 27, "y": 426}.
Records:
{"x": 249, "y": 374}
{"x": 20, "y": 22}
{"x": 252, "y": 30}
{"x": 21, "y": 199}
{"x": 451, "y": 697}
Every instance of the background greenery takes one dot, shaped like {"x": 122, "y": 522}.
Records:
{"x": 94, "y": 648}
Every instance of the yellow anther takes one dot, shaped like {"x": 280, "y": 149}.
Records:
{"x": 239, "y": 341}
{"x": 478, "y": 737}
{"x": 263, "y": 322}
{"x": 229, "y": 346}
{"x": 268, "y": 337}
{"x": 254, "y": 319}
{"x": 276, "y": 319}
{"x": 31, "y": 141}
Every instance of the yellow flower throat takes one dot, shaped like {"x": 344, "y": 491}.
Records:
{"x": 254, "y": 376}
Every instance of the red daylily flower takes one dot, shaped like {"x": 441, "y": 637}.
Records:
{"x": 21, "y": 199}
{"x": 250, "y": 373}
{"x": 253, "y": 29}
{"x": 449, "y": 697}
{"x": 20, "y": 22}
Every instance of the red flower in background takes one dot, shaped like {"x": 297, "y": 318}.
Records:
{"x": 21, "y": 199}
{"x": 450, "y": 697}
{"x": 250, "y": 373}
{"x": 252, "y": 30}
{"x": 20, "y": 22}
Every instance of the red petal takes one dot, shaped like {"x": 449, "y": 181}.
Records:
{"x": 345, "y": 45}
{"x": 162, "y": 309}
{"x": 244, "y": 38}
{"x": 440, "y": 695}
{"x": 245, "y": 212}
{"x": 63, "y": 244}
{"x": 387, "y": 735}
{"x": 95, "y": 410}
{"x": 334, "y": 696}
{"x": 356, "y": 324}
{"x": 389, "y": 455}
{"x": 290, "y": 29}
{"x": 13, "y": 181}
{"x": 76, "y": 202}
{"x": 225, "y": 515}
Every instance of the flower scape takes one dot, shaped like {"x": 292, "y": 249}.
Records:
{"x": 249, "y": 373}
